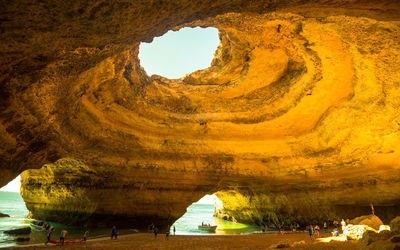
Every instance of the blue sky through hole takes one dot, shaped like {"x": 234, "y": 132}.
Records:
{"x": 177, "y": 53}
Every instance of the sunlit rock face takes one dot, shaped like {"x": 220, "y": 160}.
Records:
{"x": 301, "y": 103}
{"x": 72, "y": 193}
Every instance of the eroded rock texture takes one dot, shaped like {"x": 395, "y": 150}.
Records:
{"x": 297, "y": 117}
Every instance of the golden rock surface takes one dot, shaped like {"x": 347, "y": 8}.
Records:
{"x": 298, "y": 117}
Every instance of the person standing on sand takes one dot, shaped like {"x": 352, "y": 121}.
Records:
{"x": 114, "y": 232}
{"x": 174, "y": 230}
{"x": 343, "y": 224}
{"x": 167, "y": 232}
{"x": 49, "y": 235}
{"x": 62, "y": 236}
{"x": 372, "y": 209}
{"x": 316, "y": 231}
{"x": 278, "y": 226}
{"x": 151, "y": 227}
{"x": 155, "y": 231}
{"x": 311, "y": 232}
{"x": 86, "y": 235}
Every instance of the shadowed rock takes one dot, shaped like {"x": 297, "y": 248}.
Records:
{"x": 395, "y": 225}
{"x": 19, "y": 231}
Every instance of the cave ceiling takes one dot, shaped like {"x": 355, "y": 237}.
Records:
{"x": 298, "y": 92}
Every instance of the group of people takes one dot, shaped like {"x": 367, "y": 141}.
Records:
{"x": 279, "y": 226}
{"x": 294, "y": 227}
{"x": 154, "y": 229}
{"x": 264, "y": 228}
{"x": 63, "y": 235}
{"x": 313, "y": 231}
{"x": 114, "y": 233}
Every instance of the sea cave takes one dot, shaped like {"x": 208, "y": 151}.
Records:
{"x": 297, "y": 118}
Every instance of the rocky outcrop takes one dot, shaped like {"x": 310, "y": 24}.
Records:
{"x": 70, "y": 192}
{"x": 18, "y": 231}
{"x": 297, "y": 116}
{"x": 395, "y": 225}
{"x": 4, "y": 215}
{"x": 382, "y": 240}
{"x": 371, "y": 220}
{"x": 22, "y": 239}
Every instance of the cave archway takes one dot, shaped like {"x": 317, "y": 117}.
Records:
{"x": 301, "y": 97}
{"x": 209, "y": 211}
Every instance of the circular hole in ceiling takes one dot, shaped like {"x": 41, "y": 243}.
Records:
{"x": 178, "y": 53}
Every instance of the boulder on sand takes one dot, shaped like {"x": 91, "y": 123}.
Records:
{"x": 369, "y": 220}
{"x": 395, "y": 225}
{"x": 19, "y": 231}
{"x": 368, "y": 238}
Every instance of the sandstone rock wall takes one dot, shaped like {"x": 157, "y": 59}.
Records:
{"x": 307, "y": 112}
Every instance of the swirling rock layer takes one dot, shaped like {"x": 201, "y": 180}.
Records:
{"x": 299, "y": 110}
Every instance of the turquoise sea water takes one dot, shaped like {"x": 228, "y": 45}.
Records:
{"x": 203, "y": 213}
{"x": 12, "y": 203}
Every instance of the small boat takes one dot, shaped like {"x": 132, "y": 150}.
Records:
{"x": 39, "y": 226}
{"x": 207, "y": 228}
{"x": 36, "y": 227}
{"x": 65, "y": 241}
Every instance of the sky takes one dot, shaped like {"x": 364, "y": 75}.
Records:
{"x": 177, "y": 53}
{"x": 12, "y": 186}
{"x": 207, "y": 199}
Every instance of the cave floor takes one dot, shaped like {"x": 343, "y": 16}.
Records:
{"x": 254, "y": 241}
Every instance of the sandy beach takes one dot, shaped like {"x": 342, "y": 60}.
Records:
{"x": 147, "y": 241}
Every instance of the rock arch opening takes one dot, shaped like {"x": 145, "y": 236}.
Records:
{"x": 177, "y": 53}
{"x": 301, "y": 102}
{"x": 206, "y": 212}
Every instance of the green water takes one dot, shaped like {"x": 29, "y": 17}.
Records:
{"x": 203, "y": 213}
{"x": 12, "y": 203}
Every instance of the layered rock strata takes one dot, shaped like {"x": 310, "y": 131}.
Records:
{"x": 297, "y": 116}
{"x": 71, "y": 192}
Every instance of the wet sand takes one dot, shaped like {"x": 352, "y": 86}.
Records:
{"x": 147, "y": 241}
